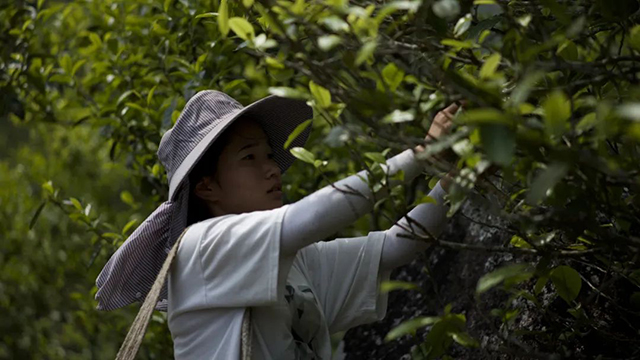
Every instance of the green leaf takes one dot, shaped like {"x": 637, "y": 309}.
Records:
{"x": 425, "y": 200}
{"x": 391, "y": 285}
{"x": 321, "y": 95}
{"x": 296, "y": 132}
{"x": 128, "y": 226}
{"x": 545, "y": 181}
{"x": 630, "y": 111}
{"x": 66, "y": 63}
{"x": 36, "y": 215}
{"x": 496, "y": 277}
{"x": 150, "y": 95}
{"x": 206, "y": 15}
{"x": 127, "y": 198}
{"x": 392, "y": 76}
{"x": 262, "y": 42}
{"x": 484, "y": 116}
{"x": 462, "y": 25}
{"x": 376, "y": 157}
{"x": 587, "y": 122}
{"x": 303, "y": 154}
{"x": 76, "y": 204}
{"x": 558, "y": 10}
{"x": 446, "y": 9}
{"x": 288, "y": 92}
{"x": 110, "y": 235}
{"x": 521, "y": 93}
{"x": 519, "y": 242}
{"x": 557, "y": 110}
{"x": 95, "y": 39}
{"x": 365, "y": 52}
{"x": 223, "y": 18}
{"x": 167, "y": 4}
{"x": 242, "y": 28}
{"x": 567, "y": 282}
{"x": 398, "y": 116}
{"x": 125, "y": 95}
{"x": 458, "y": 44}
{"x": 328, "y": 42}
{"x": 499, "y": 142}
{"x": 48, "y": 187}
{"x": 247, "y": 3}
{"x": 465, "y": 339}
{"x": 410, "y": 326}
{"x": 634, "y": 37}
{"x": 490, "y": 65}
{"x": 77, "y": 66}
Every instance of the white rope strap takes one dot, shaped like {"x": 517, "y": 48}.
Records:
{"x": 132, "y": 341}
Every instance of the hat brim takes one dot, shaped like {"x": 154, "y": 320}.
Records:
{"x": 278, "y": 117}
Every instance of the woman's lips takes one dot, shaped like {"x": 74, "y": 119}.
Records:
{"x": 275, "y": 188}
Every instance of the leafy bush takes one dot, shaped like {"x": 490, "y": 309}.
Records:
{"x": 551, "y": 91}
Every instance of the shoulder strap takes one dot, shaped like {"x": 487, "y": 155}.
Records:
{"x": 132, "y": 341}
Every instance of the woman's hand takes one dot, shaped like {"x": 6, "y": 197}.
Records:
{"x": 441, "y": 126}
{"x": 442, "y": 123}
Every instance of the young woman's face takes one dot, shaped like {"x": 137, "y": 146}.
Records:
{"x": 247, "y": 178}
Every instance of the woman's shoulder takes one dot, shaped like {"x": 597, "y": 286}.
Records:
{"x": 236, "y": 223}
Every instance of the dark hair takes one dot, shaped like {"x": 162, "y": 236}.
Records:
{"x": 206, "y": 166}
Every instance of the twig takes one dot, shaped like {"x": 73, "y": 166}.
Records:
{"x": 498, "y": 249}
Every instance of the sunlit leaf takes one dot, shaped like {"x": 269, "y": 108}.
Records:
{"x": 296, "y": 132}
{"x": 392, "y": 76}
{"x": 321, "y": 95}
{"x": 376, "y": 157}
{"x": 328, "y": 42}
{"x": 484, "y": 116}
{"x": 391, "y": 285}
{"x": 303, "y": 154}
{"x": 410, "y": 326}
{"x": 223, "y": 18}
{"x": 242, "y": 28}
{"x": 288, "y": 92}
{"x": 462, "y": 25}
{"x": 366, "y": 51}
{"x": 129, "y": 226}
{"x": 496, "y": 277}
{"x": 557, "y": 111}
{"x": 206, "y": 15}
{"x": 490, "y": 65}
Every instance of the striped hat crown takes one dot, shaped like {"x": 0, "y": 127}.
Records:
{"x": 200, "y": 116}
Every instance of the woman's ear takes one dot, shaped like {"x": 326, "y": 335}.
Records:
{"x": 207, "y": 189}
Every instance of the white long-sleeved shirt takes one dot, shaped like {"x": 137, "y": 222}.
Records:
{"x": 300, "y": 290}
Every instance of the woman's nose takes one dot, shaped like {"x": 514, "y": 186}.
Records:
{"x": 272, "y": 169}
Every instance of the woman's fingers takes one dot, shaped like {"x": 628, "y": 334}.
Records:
{"x": 451, "y": 109}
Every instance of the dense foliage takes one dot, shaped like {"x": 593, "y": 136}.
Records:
{"x": 552, "y": 102}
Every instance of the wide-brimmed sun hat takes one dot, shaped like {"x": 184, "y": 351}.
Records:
{"x": 132, "y": 269}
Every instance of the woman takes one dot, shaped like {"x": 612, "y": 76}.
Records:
{"x": 244, "y": 250}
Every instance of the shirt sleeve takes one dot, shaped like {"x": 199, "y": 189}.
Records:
{"x": 346, "y": 274}
{"x": 230, "y": 261}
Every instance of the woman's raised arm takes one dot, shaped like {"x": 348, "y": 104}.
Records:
{"x": 335, "y": 206}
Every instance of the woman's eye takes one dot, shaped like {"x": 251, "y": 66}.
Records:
{"x": 249, "y": 157}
